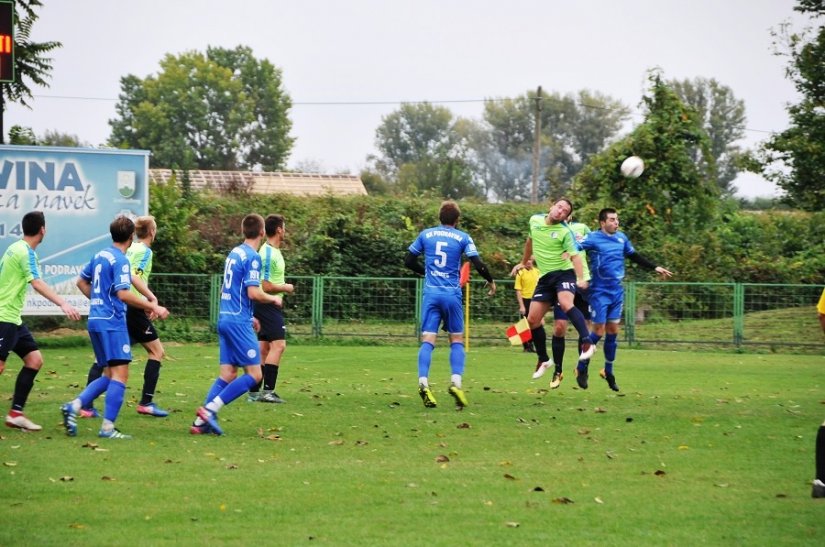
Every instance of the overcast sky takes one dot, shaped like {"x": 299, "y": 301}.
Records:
{"x": 383, "y": 52}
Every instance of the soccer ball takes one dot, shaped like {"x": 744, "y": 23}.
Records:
{"x": 632, "y": 167}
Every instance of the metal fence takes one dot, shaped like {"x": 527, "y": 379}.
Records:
{"x": 687, "y": 315}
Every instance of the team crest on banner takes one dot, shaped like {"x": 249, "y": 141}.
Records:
{"x": 126, "y": 183}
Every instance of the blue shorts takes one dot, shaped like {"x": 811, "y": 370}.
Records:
{"x": 552, "y": 283}
{"x": 111, "y": 347}
{"x": 237, "y": 344}
{"x": 581, "y": 301}
{"x": 436, "y": 307}
{"x": 606, "y": 304}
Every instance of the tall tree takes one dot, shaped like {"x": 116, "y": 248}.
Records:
{"x": 221, "y": 110}
{"x": 31, "y": 66}
{"x": 795, "y": 158}
{"x": 422, "y": 148}
{"x": 723, "y": 119}
{"x": 574, "y": 128}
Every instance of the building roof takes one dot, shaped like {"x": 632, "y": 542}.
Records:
{"x": 304, "y": 184}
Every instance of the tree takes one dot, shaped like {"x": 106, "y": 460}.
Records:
{"x": 574, "y": 128}
{"x": 30, "y": 61}
{"x": 422, "y": 149}
{"x": 723, "y": 118}
{"x": 219, "y": 110}
{"x": 56, "y": 138}
{"x": 795, "y": 158}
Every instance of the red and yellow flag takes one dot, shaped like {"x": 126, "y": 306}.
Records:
{"x": 519, "y": 333}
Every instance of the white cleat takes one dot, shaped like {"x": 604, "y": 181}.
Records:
{"x": 541, "y": 368}
{"x": 588, "y": 349}
{"x": 21, "y": 422}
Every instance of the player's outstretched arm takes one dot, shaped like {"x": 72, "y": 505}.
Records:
{"x": 482, "y": 270}
{"x": 411, "y": 262}
{"x": 43, "y": 288}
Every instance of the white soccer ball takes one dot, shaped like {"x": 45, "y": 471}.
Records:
{"x": 632, "y": 167}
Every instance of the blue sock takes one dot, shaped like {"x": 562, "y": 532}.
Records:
{"x": 114, "y": 400}
{"x": 93, "y": 391}
{"x": 236, "y": 388}
{"x": 457, "y": 358}
{"x": 582, "y": 366}
{"x": 217, "y": 387}
{"x": 610, "y": 345}
{"x": 425, "y": 357}
{"x": 594, "y": 338}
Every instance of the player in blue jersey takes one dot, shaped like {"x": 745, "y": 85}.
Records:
{"x": 19, "y": 269}
{"x": 237, "y": 342}
{"x": 106, "y": 280}
{"x": 606, "y": 250}
{"x": 442, "y": 247}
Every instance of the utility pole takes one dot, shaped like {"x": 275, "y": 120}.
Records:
{"x": 534, "y": 196}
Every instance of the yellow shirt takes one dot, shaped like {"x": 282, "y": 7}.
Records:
{"x": 526, "y": 281}
{"x": 821, "y": 306}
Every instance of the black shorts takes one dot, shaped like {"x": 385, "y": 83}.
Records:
{"x": 552, "y": 283}
{"x": 17, "y": 339}
{"x": 581, "y": 302}
{"x": 141, "y": 329}
{"x": 271, "y": 318}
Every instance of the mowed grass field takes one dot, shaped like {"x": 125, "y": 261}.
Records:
{"x": 698, "y": 448}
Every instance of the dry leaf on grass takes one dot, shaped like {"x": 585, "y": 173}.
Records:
{"x": 441, "y": 458}
{"x": 563, "y": 500}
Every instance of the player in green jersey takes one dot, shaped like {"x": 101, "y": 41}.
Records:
{"x": 553, "y": 245}
{"x": 19, "y": 268}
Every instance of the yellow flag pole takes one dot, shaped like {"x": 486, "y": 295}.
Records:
{"x": 467, "y": 316}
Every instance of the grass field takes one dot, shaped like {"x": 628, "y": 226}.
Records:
{"x": 699, "y": 448}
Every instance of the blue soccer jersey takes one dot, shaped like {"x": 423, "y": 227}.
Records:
{"x": 606, "y": 254}
{"x": 108, "y": 272}
{"x": 242, "y": 270}
{"x": 442, "y": 247}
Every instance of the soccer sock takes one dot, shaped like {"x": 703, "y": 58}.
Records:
{"x": 95, "y": 372}
{"x": 22, "y": 388}
{"x": 557, "y": 343}
{"x": 235, "y": 389}
{"x": 455, "y": 379}
{"x": 217, "y": 387}
{"x": 582, "y": 365}
{"x": 457, "y": 358}
{"x": 577, "y": 318}
{"x": 425, "y": 357}
{"x": 540, "y": 341}
{"x": 150, "y": 380}
{"x": 114, "y": 400}
{"x": 610, "y": 345}
{"x": 93, "y": 391}
{"x": 270, "y": 376}
{"x": 820, "y": 453}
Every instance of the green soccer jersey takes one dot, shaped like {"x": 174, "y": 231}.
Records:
{"x": 272, "y": 265}
{"x": 580, "y": 231}
{"x": 140, "y": 259}
{"x": 19, "y": 266}
{"x": 550, "y": 242}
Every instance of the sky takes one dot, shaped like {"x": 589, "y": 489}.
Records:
{"x": 348, "y": 63}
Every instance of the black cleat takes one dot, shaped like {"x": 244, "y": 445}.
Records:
{"x": 611, "y": 380}
{"x": 581, "y": 378}
{"x": 818, "y": 490}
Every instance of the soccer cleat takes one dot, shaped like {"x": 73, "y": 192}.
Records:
{"x": 210, "y": 418}
{"x": 588, "y": 349}
{"x": 69, "y": 419}
{"x": 200, "y": 429}
{"x": 21, "y": 422}
{"x": 427, "y": 396}
{"x": 89, "y": 413}
{"x": 113, "y": 434}
{"x": 541, "y": 368}
{"x": 556, "y": 381}
{"x": 611, "y": 380}
{"x": 270, "y": 397}
{"x": 818, "y": 489}
{"x": 458, "y": 395}
{"x": 581, "y": 377}
{"x": 253, "y": 396}
{"x": 152, "y": 410}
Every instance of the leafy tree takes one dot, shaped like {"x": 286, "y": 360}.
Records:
{"x": 573, "y": 129}
{"x": 56, "y": 138}
{"x": 22, "y": 135}
{"x": 723, "y": 119}
{"x": 222, "y": 110}
{"x": 795, "y": 158}
{"x": 30, "y": 61}
{"x": 422, "y": 149}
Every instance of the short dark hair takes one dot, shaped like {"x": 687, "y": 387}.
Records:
{"x": 449, "y": 213}
{"x": 604, "y": 212}
{"x": 122, "y": 229}
{"x": 273, "y": 222}
{"x": 252, "y": 225}
{"x": 32, "y": 222}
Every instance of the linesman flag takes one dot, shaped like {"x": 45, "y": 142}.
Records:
{"x": 464, "y": 276}
{"x": 519, "y": 333}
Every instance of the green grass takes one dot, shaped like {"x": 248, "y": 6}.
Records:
{"x": 712, "y": 448}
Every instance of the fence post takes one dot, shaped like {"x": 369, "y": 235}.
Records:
{"x": 214, "y": 299}
{"x": 738, "y": 314}
{"x": 419, "y": 291}
{"x": 317, "y": 305}
{"x": 630, "y": 312}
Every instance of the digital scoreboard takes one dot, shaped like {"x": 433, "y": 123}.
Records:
{"x": 6, "y": 41}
